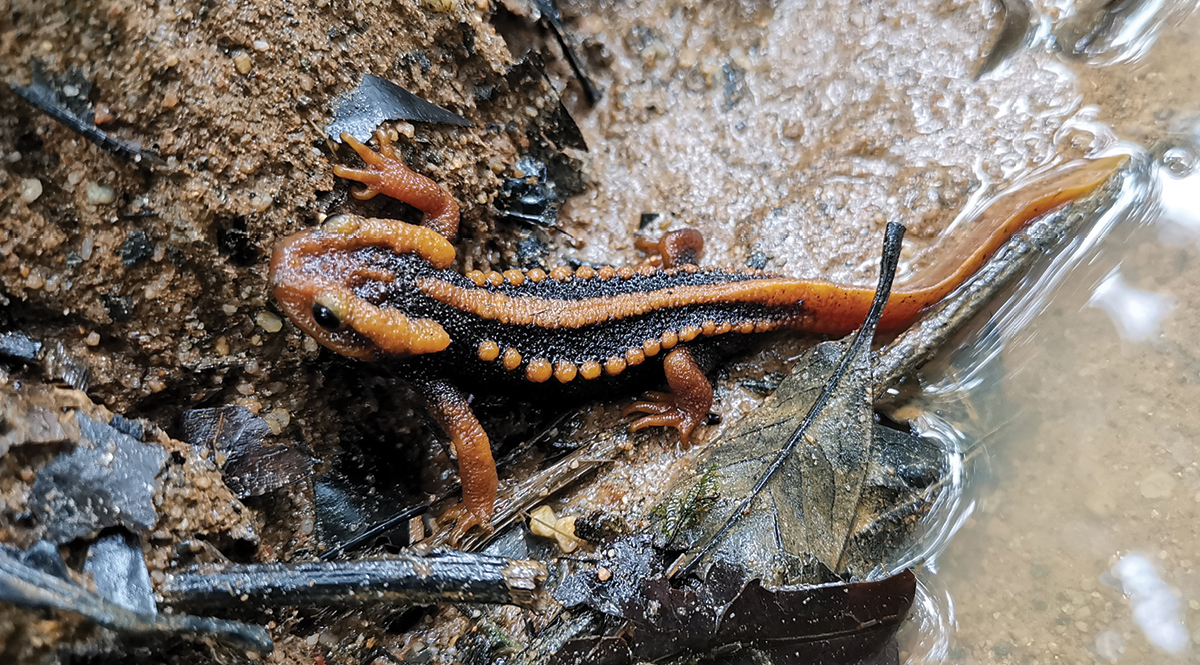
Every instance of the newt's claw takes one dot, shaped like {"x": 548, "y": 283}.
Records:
{"x": 665, "y": 411}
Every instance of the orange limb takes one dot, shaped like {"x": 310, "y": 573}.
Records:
{"x": 685, "y": 406}
{"x": 673, "y": 249}
{"x": 476, "y": 468}
{"x": 387, "y": 174}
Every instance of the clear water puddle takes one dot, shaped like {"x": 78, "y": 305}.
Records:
{"x": 1074, "y": 535}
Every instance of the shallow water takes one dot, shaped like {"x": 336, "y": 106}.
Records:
{"x": 1078, "y": 535}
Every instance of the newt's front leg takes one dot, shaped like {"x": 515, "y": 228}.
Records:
{"x": 476, "y": 468}
{"x": 386, "y": 173}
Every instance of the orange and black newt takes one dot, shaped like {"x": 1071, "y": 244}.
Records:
{"x": 373, "y": 289}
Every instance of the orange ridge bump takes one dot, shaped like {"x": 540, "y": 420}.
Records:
{"x": 565, "y": 371}
{"x": 538, "y": 370}
{"x": 634, "y": 357}
{"x": 511, "y": 359}
{"x": 590, "y": 369}
{"x": 488, "y": 351}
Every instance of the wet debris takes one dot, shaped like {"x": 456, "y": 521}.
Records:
{"x": 66, "y": 98}
{"x": 232, "y": 437}
{"x": 352, "y": 514}
{"x": 118, "y": 569}
{"x": 529, "y": 197}
{"x": 570, "y": 47}
{"x": 17, "y": 346}
{"x": 728, "y": 614}
{"x": 38, "y": 579}
{"x": 108, "y": 479}
{"x": 377, "y": 100}
{"x": 443, "y": 576}
{"x": 546, "y": 13}
{"x": 56, "y": 363}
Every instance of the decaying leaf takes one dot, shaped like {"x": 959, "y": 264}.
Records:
{"x": 792, "y": 482}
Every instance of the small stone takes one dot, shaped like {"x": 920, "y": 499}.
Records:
{"x": 31, "y": 189}
{"x": 603, "y": 574}
{"x": 1157, "y": 485}
{"x": 98, "y": 194}
{"x": 93, "y": 339}
{"x": 268, "y": 322}
{"x": 261, "y": 45}
{"x": 221, "y": 346}
{"x": 242, "y": 62}
{"x": 170, "y": 100}
{"x": 277, "y": 420}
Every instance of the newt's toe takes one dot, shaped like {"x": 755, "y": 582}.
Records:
{"x": 465, "y": 521}
{"x": 664, "y": 411}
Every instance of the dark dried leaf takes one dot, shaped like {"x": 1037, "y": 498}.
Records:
{"x": 235, "y": 437}
{"x": 377, "y": 100}
{"x": 830, "y": 623}
{"x": 107, "y": 480}
{"x": 791, "y": 485}
{"x": 118, "y": 569}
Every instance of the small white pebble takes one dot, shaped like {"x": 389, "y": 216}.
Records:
{"x": 228, "y": 309}
{"x": 261, "y": 203}
{"x": 31, "y": 189}
{"x": 261, "y": 45}
{"x": 407, "y": 129}
{"x": 92, "y": 339}
{"x": 242, "y": 63}
{"x": 98, "y": 194}
{"x": 268, "y": 322}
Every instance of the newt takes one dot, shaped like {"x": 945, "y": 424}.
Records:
{"x": 374, "y": 289}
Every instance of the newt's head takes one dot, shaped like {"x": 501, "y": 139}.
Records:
{"x": 314, "y": 274}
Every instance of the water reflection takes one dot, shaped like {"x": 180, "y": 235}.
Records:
{"x": 1137, "y": 314}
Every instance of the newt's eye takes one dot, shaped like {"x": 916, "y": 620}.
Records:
{"x": 325, "y": 317}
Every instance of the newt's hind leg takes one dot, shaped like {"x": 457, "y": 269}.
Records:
{"x": 476, "y": 468}
{"x": 685, "y": 406}
{"x": 674, "y": 249}
{"x": 386, "y": 173}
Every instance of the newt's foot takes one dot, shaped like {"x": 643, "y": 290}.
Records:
{"x": 665, "y": 410}
{"x": 386, "y": 173}
{"x": 673, "y": 249}
{"x": 465, "y": 520}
